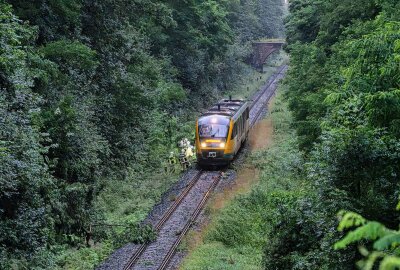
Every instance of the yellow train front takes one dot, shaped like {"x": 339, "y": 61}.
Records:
{"x": 221, "y": 131}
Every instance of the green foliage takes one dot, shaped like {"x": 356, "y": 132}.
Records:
{"x": 25, "y": 184}
{"x": 71, "y": 53}
{"x": 135, "y": 234}
{"x": 84, "y": 258}
{"x": 55, "y": 18}
{"x": 215, "y": 255}
{"x": 370, "y": 231}
{"x": 343, "y": 91}
{"x": 386, "y": 242}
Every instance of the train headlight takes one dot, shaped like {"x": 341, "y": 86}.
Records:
{"x": 222, "y": 145}
{"x": 203, "y": 144}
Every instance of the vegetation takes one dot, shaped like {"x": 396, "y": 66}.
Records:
{"x": 343, "y": 86}
{"x": 342, "y": 191}
{"x": 94, "y": 94}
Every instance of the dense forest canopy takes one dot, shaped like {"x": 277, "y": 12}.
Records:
{"x": 91, "y": 88}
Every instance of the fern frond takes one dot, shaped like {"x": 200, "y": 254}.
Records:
{"x": 368, "y": 264}
{"x": 390, "y": 240}
{"x": 390, "y": 263}
{"x": 335, "y": 98}
{"x": 370, "y": 231}
{"x": 350, "y": 219}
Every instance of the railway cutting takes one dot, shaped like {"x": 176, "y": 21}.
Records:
{"x": 182, "y": 213}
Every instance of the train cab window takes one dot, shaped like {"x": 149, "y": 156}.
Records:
{"x": 213, "y": 127}
{"x": 213, "y": 131}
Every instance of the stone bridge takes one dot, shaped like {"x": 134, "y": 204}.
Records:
{"x": 263, "y": 49}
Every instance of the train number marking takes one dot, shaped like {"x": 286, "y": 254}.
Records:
{"x": 212, "y": 154}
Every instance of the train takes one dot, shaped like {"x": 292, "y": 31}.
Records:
{"x": 221, "y": 131}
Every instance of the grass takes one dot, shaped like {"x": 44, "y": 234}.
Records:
{"x": 240, "y": 230}
{"x": 215, "y": 255}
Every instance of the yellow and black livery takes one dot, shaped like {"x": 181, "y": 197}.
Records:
{"x": 221, "y": 131}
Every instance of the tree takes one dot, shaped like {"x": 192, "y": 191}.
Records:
{"x": 26, "y": 187}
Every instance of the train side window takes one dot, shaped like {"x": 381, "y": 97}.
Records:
{"x": 241, "y": 125}
{"x": 234, "y": 131}
{"x": 238, "y": 128}
{"x": 247, "y": 113}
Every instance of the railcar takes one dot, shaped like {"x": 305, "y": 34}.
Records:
{"x": 221, "y": 131}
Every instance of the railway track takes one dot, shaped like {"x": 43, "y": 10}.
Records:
{"x": 135, "y": 256}
{"x": 193, "y": 217}
{"x": 265, "y": 87}
{"x": 175, "y": 223}
{"x": 177, "y": 220}
{"x": 264, "y": 96}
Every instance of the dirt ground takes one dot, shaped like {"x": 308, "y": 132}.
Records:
{"x": 260, "y": 136}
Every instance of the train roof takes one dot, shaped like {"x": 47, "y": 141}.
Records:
{"x": 227, "y": 107}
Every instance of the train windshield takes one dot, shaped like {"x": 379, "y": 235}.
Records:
{"x": 213, "y": 127}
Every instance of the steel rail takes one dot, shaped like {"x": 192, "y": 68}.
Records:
{"x": 188, "y": 224}
{"x": 255, "y": 118}
{"x": 136, "y": 255}
{"x": 276, "y": 77}
{"x": 266, "y": 86}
